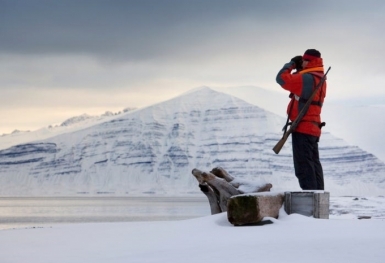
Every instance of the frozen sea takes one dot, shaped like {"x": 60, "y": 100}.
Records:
{"x": 25, "y": 212}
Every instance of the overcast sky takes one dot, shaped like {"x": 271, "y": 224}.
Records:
{"x": 60, "y": 59}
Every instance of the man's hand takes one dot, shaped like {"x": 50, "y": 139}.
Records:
{"x": 298, "y": 62}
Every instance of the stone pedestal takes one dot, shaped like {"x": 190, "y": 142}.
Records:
{"x": 252, "y": 208}
{"x": 308, "y": 203}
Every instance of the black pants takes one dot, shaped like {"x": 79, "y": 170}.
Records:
{"x": 307, "y": 165}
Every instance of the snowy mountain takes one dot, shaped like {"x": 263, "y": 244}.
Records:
{"x": 70, "y": 125}
{"x": 153, "y": 150}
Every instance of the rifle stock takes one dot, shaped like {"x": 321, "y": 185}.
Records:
{"x": 277, "y": 148}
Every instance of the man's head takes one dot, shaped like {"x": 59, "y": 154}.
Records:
{"x": 311, "y": 54}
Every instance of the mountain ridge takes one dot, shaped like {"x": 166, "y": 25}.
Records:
{"x": 153, "y": 150}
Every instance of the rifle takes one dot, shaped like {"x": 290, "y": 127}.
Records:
{"x": 277, "y": 148}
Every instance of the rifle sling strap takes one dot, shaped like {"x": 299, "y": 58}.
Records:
{"x": 316, "y": 103}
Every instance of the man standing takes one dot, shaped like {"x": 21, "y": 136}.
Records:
{"x": 301, "y": 84}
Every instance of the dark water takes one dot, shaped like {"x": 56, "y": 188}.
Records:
{"x": 43, "y": 212}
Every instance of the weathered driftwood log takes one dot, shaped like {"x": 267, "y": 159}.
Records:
{"x": 212, "y": 197}
{"x": 241, "y": 185}
{"x": 222, "y": 173}
{"x": 210, "y": 193}
{"x": 224, "y": 189}
{"x": 217, "y": 190}
{"x": 219, "y": 186}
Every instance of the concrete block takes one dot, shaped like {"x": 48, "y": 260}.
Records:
{"x": 308, "y": 203}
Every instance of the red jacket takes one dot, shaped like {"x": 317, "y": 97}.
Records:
{"x": 301, "y": 85}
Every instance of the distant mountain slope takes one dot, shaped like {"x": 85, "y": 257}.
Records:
{"x": 70, "y": 125}
{"x": 153, "y": 150}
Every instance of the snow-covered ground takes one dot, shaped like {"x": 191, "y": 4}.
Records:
{"x": 290, "y": 238}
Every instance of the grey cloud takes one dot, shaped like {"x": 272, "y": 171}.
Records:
{"x": 206, "y": 41}
{"x": 127, "y": 29}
